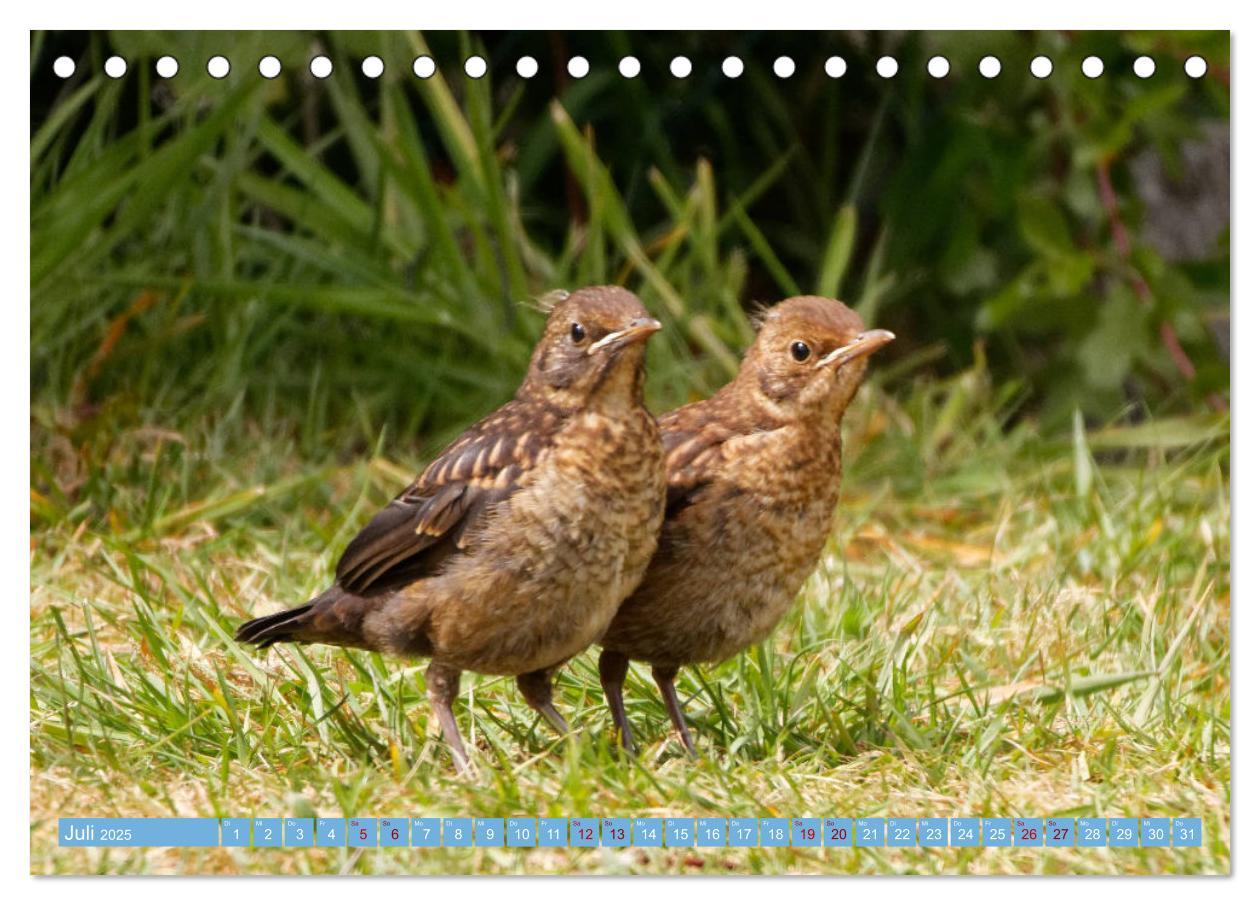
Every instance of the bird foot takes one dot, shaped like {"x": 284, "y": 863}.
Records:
{"x": 536, "y": 689}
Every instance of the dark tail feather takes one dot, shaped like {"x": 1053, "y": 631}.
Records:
{"x": 334, "y": 617}
{"x": 267, "y": 630}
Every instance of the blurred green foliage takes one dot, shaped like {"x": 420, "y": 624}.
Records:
{"x": 359, "y": 251}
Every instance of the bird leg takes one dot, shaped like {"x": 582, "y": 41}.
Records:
{"x": 612, "y": 675}
{"x": 442, "y": 683}
{"x": 536, "y": 687}
{"x": 664, "y": 676}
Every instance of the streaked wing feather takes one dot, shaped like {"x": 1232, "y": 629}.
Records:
{"x": 693, "y": 449}
{"x": 431, "y": 519}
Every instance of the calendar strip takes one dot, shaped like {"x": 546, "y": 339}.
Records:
{"x": 638, "y": 832}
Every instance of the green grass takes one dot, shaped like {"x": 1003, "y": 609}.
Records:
{"x": 1004, "y": 624}
{"x": 247, "y": 334}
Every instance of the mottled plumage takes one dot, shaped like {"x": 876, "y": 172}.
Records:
{"x": 512, "y": 550}
{"x": 753, "y": 480}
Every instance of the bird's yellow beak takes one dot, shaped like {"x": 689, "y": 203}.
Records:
{"x": 640, "y": 329}
{"x": 866, "y": 343}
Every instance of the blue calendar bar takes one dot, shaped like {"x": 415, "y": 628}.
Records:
{"x": 77, "y": 832}
{"x": 838, "y": 832}
{"x": 649, "y": 832}
{"x": 584, "y": 832}
{"x": 489, "y": 832}
{"x": 553, "y": 831}
{"x": 1091, "y": 832}
{"x": 902, "y": 832}
{"x": 1155, "y": 832}
{"x": 964, "y": 832}
{"x": 268, "y": 832}
{"x": 1060, "y": 832}
{"x": 1187, "y": 831}
{"x": 522, "y": 832}
{"x": 1122, "y": 832}
{"x": 426, "y": 832}
{"x": 869, "y": 832}
{"x": 711, "y": 832}
{"x": 457, "y": 832}
{"x": 362, "y": 832}
{"x": 680, "y": 831}
{"x": 234, "y": 832}
{"x": 774, "y": 832}
{"x": 641, "y": 832}
{"x": 742, "y": 831}
{"x": 933, "y": 832}
{"x": 615, "y": 832}
{"x": 299, "y": 832}
{"x": 394, "y": 832}
{"x": 1030, "y": 832}
{"x": 997, "y": 832}
{"x": 330, "y": 832}
{"x": 806, "y": 831}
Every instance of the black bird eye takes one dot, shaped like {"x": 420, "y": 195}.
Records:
{"x": 577, "y": 333}
{"x": 800, "y": 351}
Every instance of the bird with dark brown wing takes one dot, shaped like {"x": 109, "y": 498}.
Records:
{"x": 511, "y": 552}
{"x": 753, "y": 480}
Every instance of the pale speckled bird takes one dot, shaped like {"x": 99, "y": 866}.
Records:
{"x": 753, "y": 481}
{"x": 511, "y": 552}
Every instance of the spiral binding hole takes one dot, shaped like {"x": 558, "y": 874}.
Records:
{"x": 423, "y": 67}
{"x": 527, "y": 67}
{"x": 732, "y": 67}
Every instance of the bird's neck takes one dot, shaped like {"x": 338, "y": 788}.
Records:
{"x": 620, "y": 388}
{"x": 614, "y": 392}
{"x": 744, "y": 400}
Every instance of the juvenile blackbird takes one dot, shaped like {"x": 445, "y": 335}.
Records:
{"x": 510, "y": 553}
{"x": 753, "y": 479}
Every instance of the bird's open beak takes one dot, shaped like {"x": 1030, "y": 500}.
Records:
{"x": 866, "y": 343}
{"x": 640, "y": 329}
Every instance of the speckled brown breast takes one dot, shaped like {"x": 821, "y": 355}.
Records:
{"x": 731, "y": 563}
{"x": 546, "y": 572}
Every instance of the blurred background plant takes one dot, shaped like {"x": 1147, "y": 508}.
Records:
{"x": 345, "y": 255}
